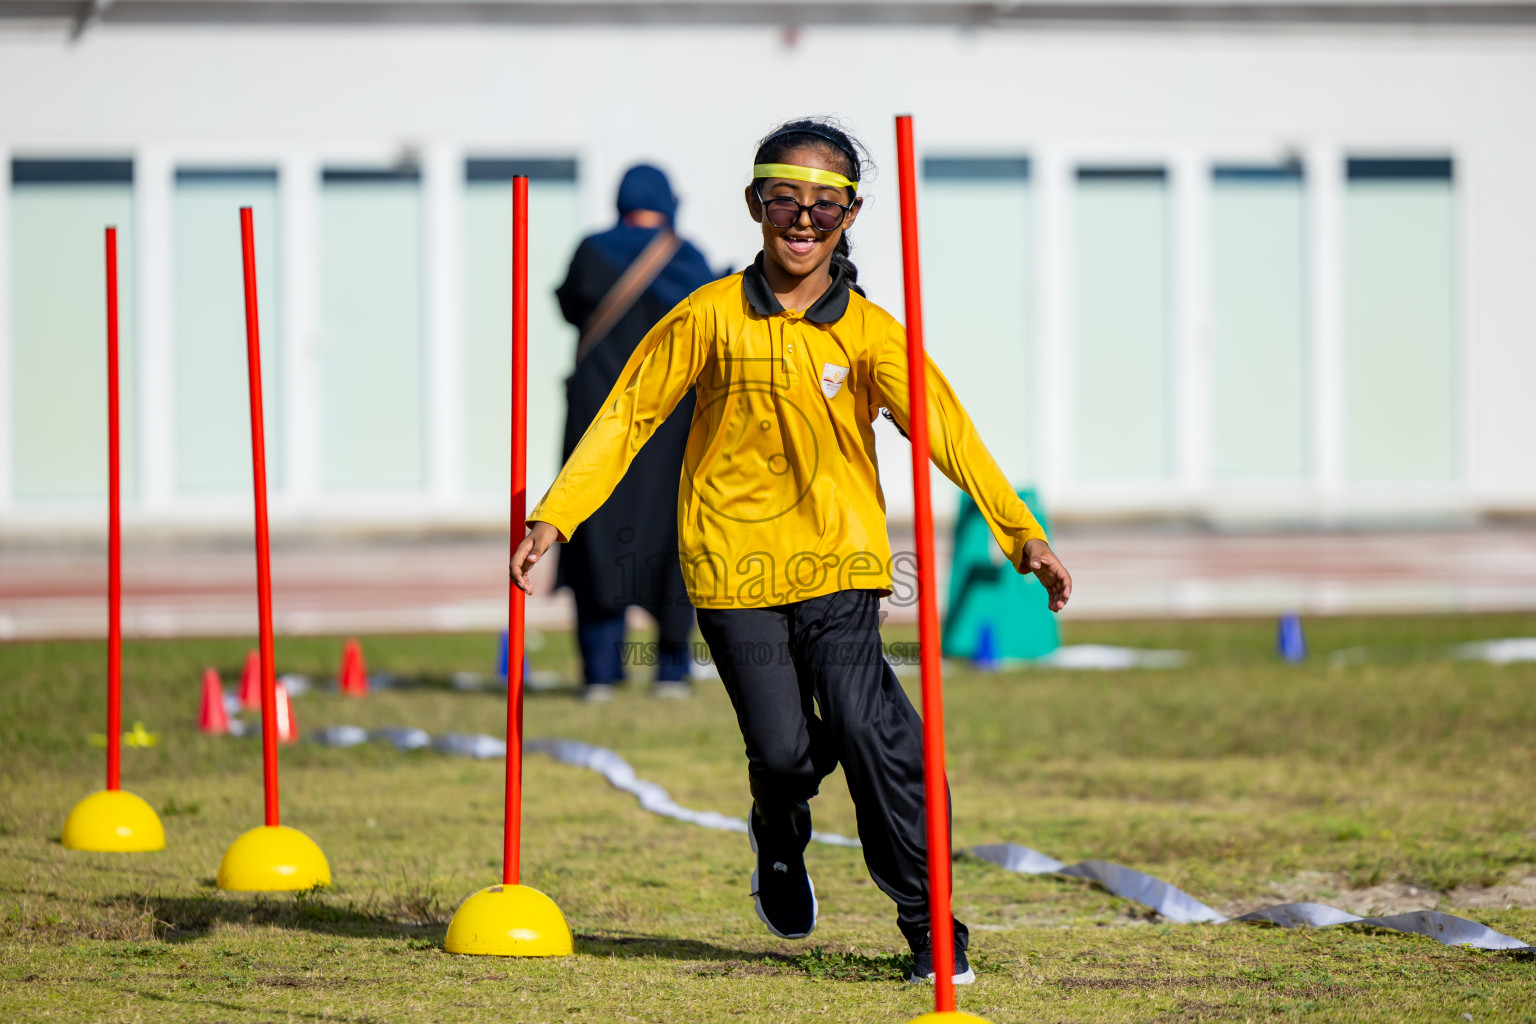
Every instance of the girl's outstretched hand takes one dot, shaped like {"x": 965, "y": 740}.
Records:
{"x": 1042, "y": 561}
{"x": 529, "y": 552}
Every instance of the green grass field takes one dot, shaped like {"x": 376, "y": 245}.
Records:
{"x": 1404, "y": 778}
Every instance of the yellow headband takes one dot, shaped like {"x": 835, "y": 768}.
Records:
{"x": 797, "y": 173}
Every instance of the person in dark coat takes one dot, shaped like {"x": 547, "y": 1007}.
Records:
{"x": 626, "y": 554}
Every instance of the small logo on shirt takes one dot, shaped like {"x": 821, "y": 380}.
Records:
{"x": 832, "y": 378}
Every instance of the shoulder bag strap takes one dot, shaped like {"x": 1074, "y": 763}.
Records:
{"x": 636, "y": 278}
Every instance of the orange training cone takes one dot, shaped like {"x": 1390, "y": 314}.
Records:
{"x": 344, "y": 674}
{"x": 213, "y": 718}
{"x": 287, "y": 728}
{"x": 250, "y": 681}
{"x": 353, "y": 678}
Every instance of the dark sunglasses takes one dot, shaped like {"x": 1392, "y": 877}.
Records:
{"x": 783, "y": 212}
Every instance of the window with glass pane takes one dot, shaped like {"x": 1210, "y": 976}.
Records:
{"x": 552, "y": 237}
{"x": 1258, "y": 329}
{"x": 60, "y": 210}
{"x": 1401, "y": 368}
{"x": 372, "y": 376}
{"x": 213, "y": 427}
{"x": 978, "y": 298}
{"x": 1121, "y": 311}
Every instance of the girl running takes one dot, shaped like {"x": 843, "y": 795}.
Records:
{"x": 781, "y": 522}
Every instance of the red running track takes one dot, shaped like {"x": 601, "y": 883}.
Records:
{"x": 460, "y": 585}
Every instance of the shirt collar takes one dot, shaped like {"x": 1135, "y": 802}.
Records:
{"x": 828, "y": 309}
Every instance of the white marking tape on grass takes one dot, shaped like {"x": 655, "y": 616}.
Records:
{"x": 1103, "y": 657}
{"x": 621, "y": 774}
{"x": 1166, "y": 899}
{"x": 1510, "y": 651}
{"x": 1498, "y": 652}
{"x": 1072, "y": 657}
{"x": 1175, "y": 904}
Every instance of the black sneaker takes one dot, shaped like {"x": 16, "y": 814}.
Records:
{"x": 781, "y": 888}
{"x": 922, "y": 962}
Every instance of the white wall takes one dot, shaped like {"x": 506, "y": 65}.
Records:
{"x": 694, "y": 100}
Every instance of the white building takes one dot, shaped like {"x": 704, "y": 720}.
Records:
{"x": 1242, "y": 262}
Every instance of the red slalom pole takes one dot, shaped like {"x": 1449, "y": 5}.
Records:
{"x": 114, "y": 535}
{"x": 940, "y": 923}
{"x": 511, "y": 864}
{"x": 512, "y": 919}
{"x": 263, "y": 545}
{"x": 111, "y": 819}
{"x": 270, "y": 857}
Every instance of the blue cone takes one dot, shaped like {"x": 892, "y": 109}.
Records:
{"x": 1290, "y": 642}
{"x": 501, "y": 656}
{"x": 986, "y": 648}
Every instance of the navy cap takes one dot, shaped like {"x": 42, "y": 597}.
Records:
{"x": 646, "y": 188}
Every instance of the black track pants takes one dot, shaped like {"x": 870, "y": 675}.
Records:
{"x": 781, "y": 666}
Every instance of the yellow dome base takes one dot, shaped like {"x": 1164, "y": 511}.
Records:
{"x": 509, "y": 920}
{"x": 949, "y": 1017}
{"x": 273, "y": 859}
{"x": 114, "y": 821}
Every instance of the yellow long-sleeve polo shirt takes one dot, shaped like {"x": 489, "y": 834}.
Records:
{"x": 779, "y": 498}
